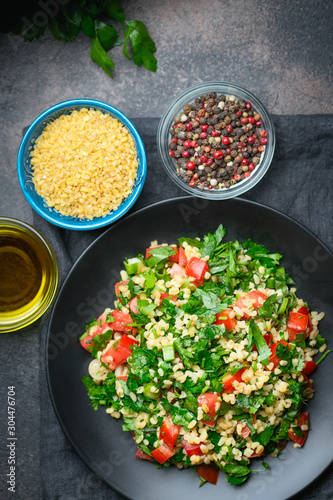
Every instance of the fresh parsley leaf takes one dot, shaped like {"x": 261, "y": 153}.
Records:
{"x": 145, "y": 307}
{"x": 214, "y": 437}
{"x": 100, "y": 57}
{"x": 236, "y": 480}
{"x": 185, "y": 355}
{"x": 297, "y": 431}
{"x": 283, "y": 352}
{"x": 232, "y": 269}
{"x": 237, "y": 470}
{"x": 193, "y": 242}
{"x": 181, "y": 416}
{"x": 129, "y": 424}
{"x": 204, "y": 304}
{"x": 99, "y": 342}
{"x": 62, "y": 29}
{"x": 263, "y": 350}
{"x": 265, "y": 436}
{"x": 92, "y": 323}
{"x": 110, "y": 318}
{"x": 158, "y": 255}
{"x": 101, "y": 394}
{"x": 250, "y": 403}
{"x": 296, "y": 388}
{"x": 211, "y": 241}
{"x": 88, "y": 26}
{"x": 150, "y": 279}
{"x": 320, "y": 340}
{"x": 115, "y": 11}
{"x": 260, "y": 253}
{"x": 142, "y": 359}
{"x": 107, "y": 35}
{"x": 143, "y": 47}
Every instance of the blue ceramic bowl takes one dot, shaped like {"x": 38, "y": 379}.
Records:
{"x": 25, "y": 171}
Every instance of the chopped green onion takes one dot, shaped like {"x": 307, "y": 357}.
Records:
{"x": 263, "y": 349}
{"x": 270, "y": 283}
{"x": 134, "y": 266}
{"x": 323, "y": 357}
{"x": 151, "y": 391}
{"x": 168, "y": 353}
{"x": 283, "y": 306}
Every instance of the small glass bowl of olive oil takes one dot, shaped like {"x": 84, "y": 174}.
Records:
{"x": 28, "y": 274}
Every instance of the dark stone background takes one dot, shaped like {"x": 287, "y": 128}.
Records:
{"x": 281, "y": 51}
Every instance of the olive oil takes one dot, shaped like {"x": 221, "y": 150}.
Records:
{"x": 28, "y": 275}
{"x": 20, "y": 272}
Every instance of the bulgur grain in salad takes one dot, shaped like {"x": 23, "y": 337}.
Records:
{"x": 207, "y": 356}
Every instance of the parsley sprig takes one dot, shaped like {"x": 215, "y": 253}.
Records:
{"x": 88, "y": 16}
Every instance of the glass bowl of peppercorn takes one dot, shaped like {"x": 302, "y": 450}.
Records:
{"x": 216, "y": 140}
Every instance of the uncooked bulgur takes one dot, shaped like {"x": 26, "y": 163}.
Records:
{"x": 84, "y": 164}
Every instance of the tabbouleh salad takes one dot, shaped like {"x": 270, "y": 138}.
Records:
{"x": 206, "y": 356}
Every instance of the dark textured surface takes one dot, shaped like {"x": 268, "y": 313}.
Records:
{"x": 281, "y": 51}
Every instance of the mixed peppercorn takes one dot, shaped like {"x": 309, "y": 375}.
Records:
{"x": 217, "y": 141}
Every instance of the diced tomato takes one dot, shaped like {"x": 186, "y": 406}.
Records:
{"x": 305, "y": 310}
{"x": 100, "y": 328}
{"x": 309, "y": 367}
{"x": 268, "y": 337}
{"x": 166, "y": 296}
{"x": 192, "y": 449}
{"x": 211, "y": 400}
{"x": 273, "y": 358}
{"x": 174, "y": 258}
{"x": 117, "y": 291}
{"x": 227, "y": 318}
{"x": 123, "y": 377}
{"x": 162, "y": 453}
{"x": 116, "y": 356}
{"x": 197, "y": 268}
{"x": 121, "y": 321}
{"x": 133, "y": 305}
{"x": 113, "y": 358}
{"x": 125, "y": 344}
{"x": 169, "y": 432}
{"x": 208, "y": 473}
{"x": 229, "y": 379}
{"x": 254, "y": 299}
{"x": 177, "y": 270}
{"x": 117, "y": 285}
{"x": 246, "y": 431}
{"x": 140, "y": 454}
{"x": 297, "y": 324}
{"x": 302, "y": 420}
{"x": 182, "y": 257}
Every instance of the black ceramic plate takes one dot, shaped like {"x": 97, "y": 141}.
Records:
{"x": 88, "y": 289}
